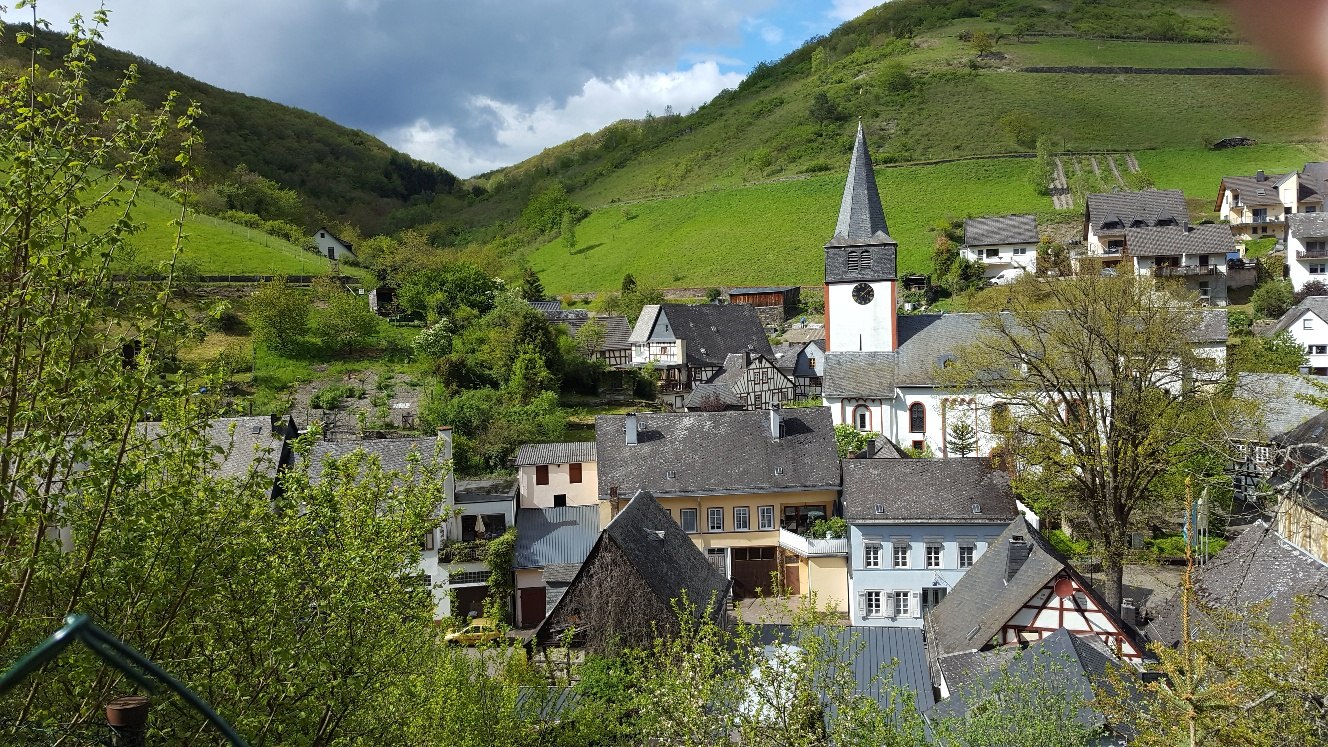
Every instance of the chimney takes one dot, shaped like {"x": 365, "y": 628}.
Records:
{"x": 127, "y": 716}
{"x": 871, "y": 448}
{"x": 1129, "y": 610}
{"x": 1259, "y": 176}
{"x": 1019, "y": 550}
{"x": 776, "y": 422}
{"x": 629, "y": 421}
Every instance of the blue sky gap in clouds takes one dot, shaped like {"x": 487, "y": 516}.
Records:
{"x": 472, "y": 85}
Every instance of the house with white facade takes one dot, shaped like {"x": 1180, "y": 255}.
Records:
{"x": 551, "y": 545}
{"x": 1194, "y": 256}
{"x": 1108, "y": 215}
{"x": 556, "y": 475}
{"x": 915, "y": 527}
{"x": 1307, "y": 322}
{"x": 688, "y": 344}
{"x": 1001, "y": 243}
{"x": 1307, "y": 248}
{"x": 332, "y": 247}
{"x": 1258, "y": 206}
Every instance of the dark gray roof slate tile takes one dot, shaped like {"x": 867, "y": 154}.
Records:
{"x": 1208, "y": 238}
{"x": 1148, "y": 207}
{"x": 927, "y": 490}
{"x": 1001, "y": 230}
{"x": 569, "y": 452}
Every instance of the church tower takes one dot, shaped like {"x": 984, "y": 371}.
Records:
{"x": 860, "y": 281}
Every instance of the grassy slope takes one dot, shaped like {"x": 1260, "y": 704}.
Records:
{"x": 213, "y": 246}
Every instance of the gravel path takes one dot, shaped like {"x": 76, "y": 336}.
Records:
{"x": 1061, "y": 199}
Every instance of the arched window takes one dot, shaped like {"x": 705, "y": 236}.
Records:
{"x": 917, "y": 418}
{"x": 862, "y": 418}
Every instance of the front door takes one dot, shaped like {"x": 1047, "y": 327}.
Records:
{"x": 531, "y": 606}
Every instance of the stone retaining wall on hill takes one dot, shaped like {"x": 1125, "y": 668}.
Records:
{"x": 1082, "y": 70}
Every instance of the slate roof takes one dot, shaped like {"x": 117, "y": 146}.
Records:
{"x": 877, "y": 650}
{"x": 1247, "y": 188}
{"x": 855, "y": 374}
{"x": 1075, "y": 665}
{"x": 1257, "y": 566}
{"x": 393, "y": 453}
{"x": 570, "y": 452}
{"x": 926, "y": 341}
{"x": 343, "y": 242}
{"x": 486, "y": 490}
{"x": 717, "y": 452}
{"x": 545, "y": 307}
{"x": 1318, "y": 305}
{"x": 555, "y": 536}
{"x": 1207, "y": 238}
{"x": 1307, "y": 225}
{"x": 1213, "y": 326}
{"x": 545, "y": 703}
{"x": 861, "y": 217}
{"x": 254, "y": 443}
{"x": 786, "y": 355}
{"x": 709, "y": 394}
{"x": 983, "y": 600}
{"x": 722, "y": 384}
{"x": 659, "y": 552}
{"x": 1148, "y": 206}
{"x": 616, "y": 332}
{"x": 1281, "y": 402}
{"x": 927, "y": 490}
{"x": 711, "y": 331}
{"x": 1004, "y": 229}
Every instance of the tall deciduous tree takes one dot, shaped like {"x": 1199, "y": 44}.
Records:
{"x": 1102, "y": 380}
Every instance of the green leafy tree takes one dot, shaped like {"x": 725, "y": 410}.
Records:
{"x": 1272, "y": 299}
{"x": 279, "y": 314}
{"x": 1280, "y": 353}
{"x": 895, "y": 78}
{"x": 849, "y": 440}
{"x": 1044, "y": 166}
{"x": 1021, "y": 127}
{"x": 1311, "y": 288}
{"x": 628, "y": 283}
{"x": 982, "y": 42}
{"x": 569, "y": 231}
{"x": 345, "y": 321}
{"x": 823, "y": 110}
{"x": 961, "y": 439}
{"x": 531, "y": 288}
{"x": 818, "y": 60}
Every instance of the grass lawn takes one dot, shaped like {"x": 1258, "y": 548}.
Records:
{"x": 1199, "y": 171}
{"x": 772, "y": 233}
{"x": 1104, "y": 53}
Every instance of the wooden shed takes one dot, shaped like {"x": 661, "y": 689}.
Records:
{"x": 785, "y": 297}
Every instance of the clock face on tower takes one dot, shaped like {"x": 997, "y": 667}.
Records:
{"x": 863, "y": 293}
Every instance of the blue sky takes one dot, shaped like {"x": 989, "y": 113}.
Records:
{"x": 472, "y": 85}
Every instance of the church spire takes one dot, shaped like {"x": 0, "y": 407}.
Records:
{"x": 861, "y": 218}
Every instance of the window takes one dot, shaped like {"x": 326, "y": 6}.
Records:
{"x": 1020, "y": 251}
{"x": 933, "y": 556}
{"x": 966, "y": 556}
{"x": 1307, "y": 323}
{"x": 468, "y": 577}
{"x": 871, "y": 604}
{"x": 871, "y": 556}
{"x": 757, "y": 399}
{"x": 1311, "y": 209}
{"x": 1204, "y": 290}
{"x": 559, "y": 500}
{"x": 917, "y": 418}
{"x": 742, "y": 519}
{"x": 687, "y": 519}
{"x": 427, "y": 542}
{"x": 862, "y": 418}
{"x": 1262, "y": 454}
{"x": 574, "y": 472}
{"x": 1316, "y": 246}
{"x": 991, "y": 253}
{"x": 1260, "y": 215}
{"x": 901, "y": 605}
{"x": 765, "y": 517}
{"x": 811, "y": 363}
{"x": 486, "y": 526}
{"x": 1316, "y": 349}
{"x": 1318, "y": 269}
{"x": 715, "y": 520}
{"x": 932, "y": 597}
{"x": 919, "y": 446}
{"x": 542, "y": 474}
{"x": 899, "y": 556}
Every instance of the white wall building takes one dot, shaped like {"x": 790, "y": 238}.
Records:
{"x": 332, "y": 247}
{"x": 1002, "y": 243}
{"x": 1307, "y": 322}
{"x": 556, "y": 475}
{"x": 1307, "y": 248}
{"x": 1258, "y": 206}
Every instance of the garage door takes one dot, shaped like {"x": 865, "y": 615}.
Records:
{"x": 752, "y": 567}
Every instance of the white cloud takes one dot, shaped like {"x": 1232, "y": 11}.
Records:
{"x": 847, "y": 10}
{"x": 522, "y": 131}
{"x": 772, "y": 34}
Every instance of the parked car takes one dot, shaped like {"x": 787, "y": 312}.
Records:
{"x": 480, "y": 630}
{"x": 1005, "y": 277}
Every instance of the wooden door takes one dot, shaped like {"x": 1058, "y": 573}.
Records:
{"x": 530, "y": 607}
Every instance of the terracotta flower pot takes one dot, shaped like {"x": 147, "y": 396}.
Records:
{"x": 127, "y": 712}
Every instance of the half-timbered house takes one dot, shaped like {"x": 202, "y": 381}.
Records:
{"x": 747, "y": 381}
{"x": 689, "y": 344}
{"x": 804, "y": 362}
{"x": 1020, "y": 591}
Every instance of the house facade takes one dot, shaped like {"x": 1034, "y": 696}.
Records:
{"x": 332, "y": 247}
{"x": 1109, "y": 215}
{"x": 557, "y": 475}
{"x": 1195, "y": 256}
{"x": 746, "y": 487}
{"x": 915, "y": 527}
{"x": 1306, "y": 248}
{"x": 689, "y": 344}
{"x": 746, "y": 381}
{"x": 1258, "y": 206}
{"x": 1001, "y": 243}
{"x": 551, "y": 545}
{"x": 804, "y": 362}
{"x": 1307, "y": 322}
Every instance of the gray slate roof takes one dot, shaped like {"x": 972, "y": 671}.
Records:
{"x": 570, "y": 452}
{"x": 982, "y": 601}
{"x": 1308, "y": 225}
{"x": 861, "y": 217}
{"x": 1208, "y": 238}
{"x": 1004, "y": 229}
{"x": 855, "y": 374}
{"x": 555, "y": 536}
{"x": 1148, "y": 206}
{"x": 1281, "y": 402}
{"x": 877, "y": 650}
{"x": 711, "y": 331}
{"x": 546, "y": 307}
{"x": 1247, "y": 187}
{"x": 246, "y": 443}
{"x": 717, "y": 452}
{"x": 1318, "y": 305}
{"x": 1255, "y": 567}
{"x": 927, "y": 490}
{"x": 617, "y": 333}
{"x": 1074, "y": 664}
{"x": 1213, "y": 326}
{"x": 393, "y": 454}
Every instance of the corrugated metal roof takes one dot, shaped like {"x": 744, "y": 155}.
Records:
{"x": 555, "y": 536}
{"x": 569, "y": 452}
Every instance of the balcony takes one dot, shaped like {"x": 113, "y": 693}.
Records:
{"x": 1315, "y": 253}
{"x": 809, "y": 548}
{"x": 1184, "y": 271}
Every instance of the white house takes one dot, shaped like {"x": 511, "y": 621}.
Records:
{"x": 1195, "y": 256}
{"x": 915, "y": 527}
{"x": 1307, "y": 248}
{"x": 332, "y": 247}
{"x": 689, "y": 344}
{"x": 556, "y": 475}
{"x": 1307, "y": 322}
{"x": 1000, "y": 243}
{"x": 1258, "y": 206}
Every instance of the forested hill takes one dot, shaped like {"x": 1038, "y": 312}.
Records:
{"x": 342, "y": 174}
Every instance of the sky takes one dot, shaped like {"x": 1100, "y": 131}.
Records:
{"x": 472, "y": 85}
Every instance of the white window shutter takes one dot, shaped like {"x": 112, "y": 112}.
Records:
{"x": 889, "y": 603}
{"x": 915, "y": 603}
{"x": 862, "y": 604}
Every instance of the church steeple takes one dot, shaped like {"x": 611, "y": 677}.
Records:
{"x": 861, "y": 218}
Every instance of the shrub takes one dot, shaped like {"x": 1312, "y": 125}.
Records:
{"x": 1271, "y": 300}
{"x": 1065, "y": 545}
{"x": 833, "y": 528}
